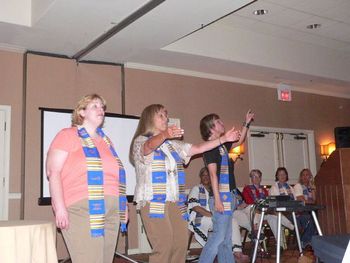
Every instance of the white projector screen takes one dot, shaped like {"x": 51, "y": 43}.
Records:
{"x": 119, "y": 128}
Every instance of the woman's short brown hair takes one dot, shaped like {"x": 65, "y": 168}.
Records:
{"x": 77, "y": 119}
{"x": 281, "y": 169}
{"x": 206, "y": 124}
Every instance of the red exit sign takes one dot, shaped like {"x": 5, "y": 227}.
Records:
{"x": 284, "y": 92}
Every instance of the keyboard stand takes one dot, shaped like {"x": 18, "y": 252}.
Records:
{"x": 279, "y": 211}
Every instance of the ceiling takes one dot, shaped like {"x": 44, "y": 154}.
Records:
{"x": 219, "y": 39}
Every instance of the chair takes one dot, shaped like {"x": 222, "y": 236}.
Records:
{"x": 262, "y": 242}
{"x": 284, "y": 234}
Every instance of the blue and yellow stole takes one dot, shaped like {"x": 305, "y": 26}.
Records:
{"x": 260, "y": 190}
{"x": 95, "y": 183}
{"x": 224, "y": 181}
{"x": 307, "y": 193}
{"x": 239, "y": 197}
{"x": 202, "y": 200}
{"x": 159, "y": 180}
{"x": 202, "y": 196}
{"x": 288, "y": 189}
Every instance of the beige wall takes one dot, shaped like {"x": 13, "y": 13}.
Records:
{"x": 190, "y": 98}
{"x": 59, "y": 83}
{"x": 11, "y": 86}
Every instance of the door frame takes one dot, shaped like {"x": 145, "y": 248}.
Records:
{"x": 7, "y": 110}
{"x": 310, "y": 137}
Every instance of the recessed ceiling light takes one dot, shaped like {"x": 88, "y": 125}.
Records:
{"x": 260, "y": 12}
{"x": 313, "y": 26}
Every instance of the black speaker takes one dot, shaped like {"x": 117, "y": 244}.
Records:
{"x": 342, "y": 137}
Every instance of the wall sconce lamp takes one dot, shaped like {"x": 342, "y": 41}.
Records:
{"x": 236, "y": 153}
{"x": 326, "y": 150}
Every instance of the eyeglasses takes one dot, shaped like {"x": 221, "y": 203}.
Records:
{"x": 256, "y": 176}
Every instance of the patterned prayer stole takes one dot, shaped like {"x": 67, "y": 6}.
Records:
{"x": 202, "y": 196}
{"x": 202, "y": 199}
{"x": 159, "y": 179}
{"x": 239, "y": 198}
{"x": 307, "y": 193}
{"x": 260, "y": 190}
{"x": 224, "y": 182}
{"x": 95, "y": 184}
{"x": 122, "y": 183}
{"x": 287, "y": 187}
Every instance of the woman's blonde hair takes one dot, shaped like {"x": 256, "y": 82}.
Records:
{"x": 301, "y": 173}
{"x": 77, "y": 119}
{"x": 203, "y": 171}
{"x": 146, "y": 123}
{"x": 281, "y": 169}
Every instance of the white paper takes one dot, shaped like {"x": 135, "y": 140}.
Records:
{"x": 346, "y": 258}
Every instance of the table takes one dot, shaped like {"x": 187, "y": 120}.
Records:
{"x": 27, "y": 241}
{"x": 279, "y": 210}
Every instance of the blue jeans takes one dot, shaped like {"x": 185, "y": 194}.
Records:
{"x": 220, "y": 240}
{"x": 307, "y": 224}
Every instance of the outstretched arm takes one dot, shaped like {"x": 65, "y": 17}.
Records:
{"x": 229, "y": 136}
{"x": 155, "y": 141}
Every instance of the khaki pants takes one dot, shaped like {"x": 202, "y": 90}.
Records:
{"x": 81, "y": 246}
{"x": 168, "y": 236}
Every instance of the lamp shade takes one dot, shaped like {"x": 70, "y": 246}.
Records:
{"x": 324, "y": 150}
{"x": 331, "y": 148}
{"x": 327, "y": 149}
{"x": 238, "y": 150}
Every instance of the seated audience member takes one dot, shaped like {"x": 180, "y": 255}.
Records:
{"x": 304, "y": 220}
{"x": 281, "y": 187}
{"x": 255, "y": 192}
{"x": 200, "y": 220}
{"x": 305, "y": 191}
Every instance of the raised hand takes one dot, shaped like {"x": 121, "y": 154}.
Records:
{"x": 249, "y": 116}
{"x": 232, "y": 135}
{"x": 174, "y": 132}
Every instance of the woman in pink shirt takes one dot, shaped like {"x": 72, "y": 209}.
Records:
{"x": 87, "y": 184}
